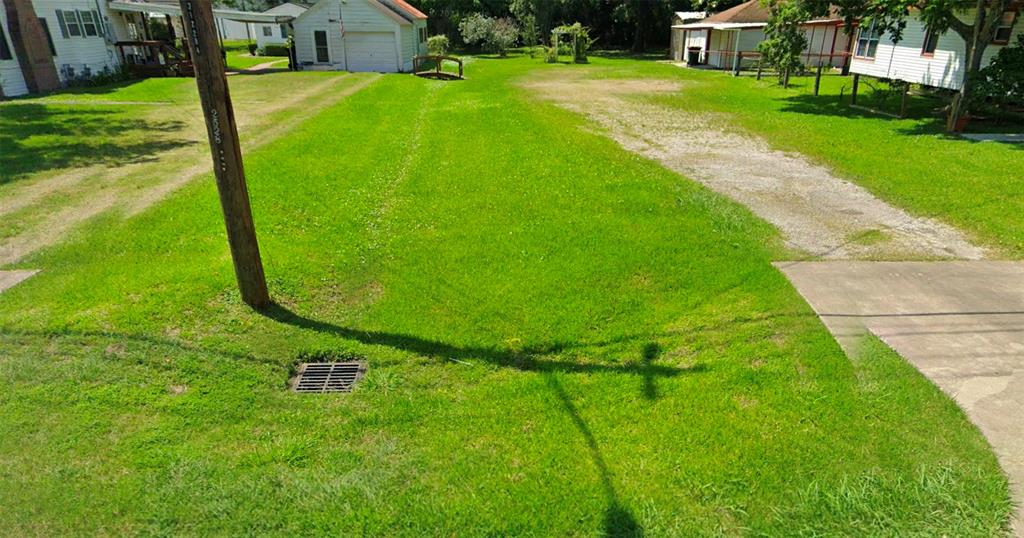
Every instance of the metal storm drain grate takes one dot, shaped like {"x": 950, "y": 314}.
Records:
{"x": 328, "y": 376}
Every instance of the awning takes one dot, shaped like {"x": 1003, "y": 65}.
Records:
{"x": 175, "y": 10}
{"x": 720, "y": 25}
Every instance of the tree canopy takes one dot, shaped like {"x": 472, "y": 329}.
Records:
{"x": 639, "y": 25}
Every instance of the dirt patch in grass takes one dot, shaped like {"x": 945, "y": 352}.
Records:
{"x": 817, "y": 212}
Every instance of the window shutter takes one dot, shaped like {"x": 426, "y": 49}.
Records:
{"x": 99, "y": 23}
{"x": 63, "y": 25}
{"x": 5, "y": 51}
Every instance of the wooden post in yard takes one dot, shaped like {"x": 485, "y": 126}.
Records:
{"x": 201, "y": 34}
{"x": 817, "y": 81}
{"x": 736, "y": 64}
{"x": 903, "y": 100}
{"x": 758, "y": 68}
{"x": 856, "y": 84}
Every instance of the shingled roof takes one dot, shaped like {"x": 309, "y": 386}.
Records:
{"x": 745, "y": 13}
{"x": 752, "y": 13}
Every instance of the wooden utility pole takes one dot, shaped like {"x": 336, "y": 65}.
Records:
{"x": 201, "y": 34}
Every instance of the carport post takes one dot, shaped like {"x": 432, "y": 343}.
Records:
{"x": 201, "y": 34}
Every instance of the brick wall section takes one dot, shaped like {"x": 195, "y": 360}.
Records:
{"x": 31, "y": 47}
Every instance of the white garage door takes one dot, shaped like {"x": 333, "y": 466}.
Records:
{"x": 371, "y": 51}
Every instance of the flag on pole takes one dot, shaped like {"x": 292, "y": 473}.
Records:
{"x": 341, "y": 22}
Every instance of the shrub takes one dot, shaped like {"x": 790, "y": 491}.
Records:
{"x": 1001, "y": 82}
{"x": 577, "y": 40}
{"x": 438, "y": 45}
{"x": 496, "y": 35}
{"x": 275, "y": 50}
{"x": 550, "y": 55}
{"x": 785, "y": 39}
{"x": 252, "y": 49}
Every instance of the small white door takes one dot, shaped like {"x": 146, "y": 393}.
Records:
{"x": 371, "y": 51}
{"x": 321, "y": 46}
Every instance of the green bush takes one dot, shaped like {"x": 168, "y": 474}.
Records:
{"x": 275, "y": 50}
{"x": 1000, "y": 85}
{"x": 438, "y": 45}
{"x": 252, "y": 49}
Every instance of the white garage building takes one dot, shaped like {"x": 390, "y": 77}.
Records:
{"x": 360, "y": 35}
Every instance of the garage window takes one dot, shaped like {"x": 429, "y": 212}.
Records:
{"x": 268, "y": 31}
{"x": 423, "y": 35}
{"x": 320, "y": 42}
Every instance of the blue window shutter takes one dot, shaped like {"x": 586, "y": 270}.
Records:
{"x": 63, "y": 25}
{"x": 99, "y": 23}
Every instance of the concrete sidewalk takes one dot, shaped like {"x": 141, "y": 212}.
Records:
{"x": 960, "y": 323}
{"x": 10, "y": 278}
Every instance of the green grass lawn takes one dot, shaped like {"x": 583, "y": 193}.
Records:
{"x": 911, "y": 163}
{"x": 564, "y": 339}
{"x": 238, "y": 56}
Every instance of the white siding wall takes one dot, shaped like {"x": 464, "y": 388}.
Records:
{"x": 274, "y": 38}
{"x": 905, "y": 62}
{"x": 410, "y": 44}
{"x": 820, "y": 40}
{"x": 77, "y": 52}
{"x": 358, "y": 15}
{"x": 11, "y": 79}
{"x": 233, "y": 29}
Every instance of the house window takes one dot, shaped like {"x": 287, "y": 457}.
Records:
{"x": 1004, "y": 28}
{"x": 69, "y": 23}
{"x": 423, "y": 35}
{"x": 284, "y": 31}
{"x": 867, "y": 42}
{"x": 5, "y": 50}
{"x": 89, "y": 24}
{"x": 49, "y": 38}
{"x": 268, "y": 31}
{"x": 931, "y": 41}
{"x": 320, "y": 42}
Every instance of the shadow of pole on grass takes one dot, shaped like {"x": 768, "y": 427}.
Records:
{"x": 528, "y": 359}
{"x": 618, "y": 520}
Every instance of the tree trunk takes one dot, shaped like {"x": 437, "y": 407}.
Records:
{"x": 976, "y": 42}
{"x": 640, "y": 30}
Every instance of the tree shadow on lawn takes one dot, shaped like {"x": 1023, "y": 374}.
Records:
{"x": 87, "y": 136}
{"x": 921, "y": 110}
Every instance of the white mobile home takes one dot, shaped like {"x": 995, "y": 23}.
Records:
{"x": 724, "y": 38}
{"x": 360, "y": 35}
{"x": 277, "y": 34}
{"x": 924, "y": 57}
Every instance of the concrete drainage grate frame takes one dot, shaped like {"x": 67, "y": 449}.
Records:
{"x": 322, "y": 377}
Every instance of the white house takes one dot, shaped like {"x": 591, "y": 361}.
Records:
{"x": 360, "y": 35}
{"x": 719, "y": 40}
{"x": 923, "y": 57}
{"x": 234, "y": 30}
{"x": 60, "y": 40}
{"x": 277, "y": 34}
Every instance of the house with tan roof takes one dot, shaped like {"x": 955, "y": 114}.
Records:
{"x": 730, "y": 38}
